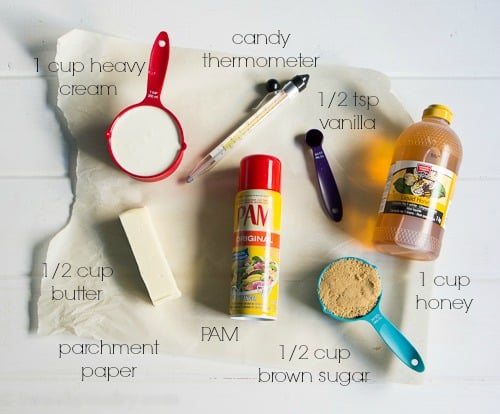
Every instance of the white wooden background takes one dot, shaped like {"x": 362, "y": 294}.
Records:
{"x": 446, "y": 51}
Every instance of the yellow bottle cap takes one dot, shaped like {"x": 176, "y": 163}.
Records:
{"x": 438, "y": 111}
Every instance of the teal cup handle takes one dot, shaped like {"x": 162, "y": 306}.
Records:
{"x": 395, "y": 340}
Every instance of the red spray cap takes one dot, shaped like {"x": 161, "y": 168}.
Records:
{"x": 260, "y": 172}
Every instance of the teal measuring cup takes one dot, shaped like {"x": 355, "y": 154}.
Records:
{"x": 393, "y": 338}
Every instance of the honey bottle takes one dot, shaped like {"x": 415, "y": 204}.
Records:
{"x": 425, "y": 163}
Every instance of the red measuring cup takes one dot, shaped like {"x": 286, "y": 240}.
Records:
{"x": 146, "y": 140}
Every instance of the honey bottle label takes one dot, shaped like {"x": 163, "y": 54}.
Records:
{"x": 418, "y": 189}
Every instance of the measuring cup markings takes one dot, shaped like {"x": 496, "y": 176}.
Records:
{"x": 376, "y": 318}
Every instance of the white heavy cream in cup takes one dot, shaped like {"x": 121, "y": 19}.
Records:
{"x": 145, "y": 141}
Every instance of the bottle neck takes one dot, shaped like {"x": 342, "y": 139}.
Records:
{"x": 436, "y": 120}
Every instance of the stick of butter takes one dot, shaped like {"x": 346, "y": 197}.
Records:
{"x": 153, "y": 265}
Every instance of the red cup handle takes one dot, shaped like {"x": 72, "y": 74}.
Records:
{"x": 158, "y": 62}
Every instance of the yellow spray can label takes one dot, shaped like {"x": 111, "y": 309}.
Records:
{"x": 255, "y": 261}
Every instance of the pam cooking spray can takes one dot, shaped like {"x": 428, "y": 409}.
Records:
{"x": 256, "y": 239}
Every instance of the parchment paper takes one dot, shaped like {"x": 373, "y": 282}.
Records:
{"x": 194, "y": 221}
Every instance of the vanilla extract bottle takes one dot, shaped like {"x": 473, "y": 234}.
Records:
{"x": 419, "y": 188}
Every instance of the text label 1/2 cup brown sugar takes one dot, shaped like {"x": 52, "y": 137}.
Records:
{"x": 350, "y": 288}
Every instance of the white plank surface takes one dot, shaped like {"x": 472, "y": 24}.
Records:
{"x": 433, "y": 51}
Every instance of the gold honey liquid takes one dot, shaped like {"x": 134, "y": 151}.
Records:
{"x": 419, "y": 188}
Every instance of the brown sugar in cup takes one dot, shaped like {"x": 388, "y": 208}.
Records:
{"x": 350, "y": 290}
{"x": 350, "y": 287}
